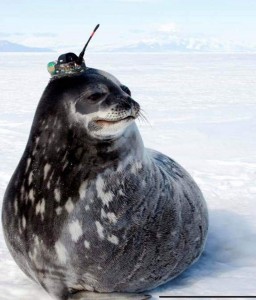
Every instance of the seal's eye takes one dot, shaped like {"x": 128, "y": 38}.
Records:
{"x": 126, "y": 89}
{"x": 96, "y": 96}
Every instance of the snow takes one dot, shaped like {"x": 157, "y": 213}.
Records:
{"x": 201, "y": 112}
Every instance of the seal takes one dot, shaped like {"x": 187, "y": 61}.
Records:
{"x": 89, "y": 208}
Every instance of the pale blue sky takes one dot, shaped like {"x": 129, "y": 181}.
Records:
{"x": 62, "y": 23}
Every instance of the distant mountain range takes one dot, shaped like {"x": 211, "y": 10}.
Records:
{"x": 164, "y": 45}
{"x": 6, "y": 46}
{"x": 177, "y": 44}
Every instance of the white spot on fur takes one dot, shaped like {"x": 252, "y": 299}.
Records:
{"x": 82, "y": 190}
{"x": 58, "y": 210}
{"x": 36, "y": 240}
{"x": 75, "y": 230}
{"x": 87, "y": 244}
{"x": 99, "y": 229}
{"x": 88, "y": 288}
{"x": 20, "y": 230}
{"x": 28, "y": 164}
{"x": 65, "y": 165}
{"x": 106, "y": 197}
{"x": 22, "y": 190}
{"x": 47, "y": 168}
{"x": 30, "y": 177}
{"x": 24, "y": 222}
{"x": 112, "y": 217}
{"x": 76, "y": 287}
{"x": 103, "y": 213}
{"x": 49, "y": 181}
{"x": 33, "y": 256}
{"x": 87, "y": 207}
{"x": 113, "y": 239}
{"x": 40, "y": 208}
{"x": 31, "y": 195}
{"x": 57, "y": 194}
{"x": 69, "y": 205}
{"x": 121, "y": 193}
{"x": 159, "y": 235}
{"x": 135, "y": 167}
{"x": 120, "y": 168}
{"x": 139, "y": 165}
{"x": 90, "y": 279}
{"x": 16, "y": 206}
{"x": 65, "y": 155}
{"x": 61, "y": 252}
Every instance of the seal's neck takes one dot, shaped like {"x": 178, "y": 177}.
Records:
{"x": 129, "y": 146}
{"x": 67, "y": 146}
{"x": 129, "y": 143}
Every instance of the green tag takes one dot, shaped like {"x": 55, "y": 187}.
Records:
{"x": 51, "y": 67}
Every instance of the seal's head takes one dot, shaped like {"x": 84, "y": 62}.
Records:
{"x": 93, "y": 102}
{"x": 103, "y": 106}
{"x": 94, "y": 99}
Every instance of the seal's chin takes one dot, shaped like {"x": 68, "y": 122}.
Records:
{"x": 109, "y": 122}
{"x": 109, "y": 128}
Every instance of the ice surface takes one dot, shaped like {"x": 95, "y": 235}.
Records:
{"x": 201, "y": 111}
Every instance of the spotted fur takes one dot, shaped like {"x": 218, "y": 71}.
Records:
{"x": 88, "y": 207}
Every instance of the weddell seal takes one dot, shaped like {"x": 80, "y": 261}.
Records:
{"x": 89, "y": 208}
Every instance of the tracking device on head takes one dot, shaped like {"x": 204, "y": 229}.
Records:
{"x": 69, "y": 63}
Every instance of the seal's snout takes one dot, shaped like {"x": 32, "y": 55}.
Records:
{"x": 121, "y": 110}
{"x": 135, "y": 109}
{"x": 128, "y": 107}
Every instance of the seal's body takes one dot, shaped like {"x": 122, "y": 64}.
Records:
{"x": 88, "y": 207}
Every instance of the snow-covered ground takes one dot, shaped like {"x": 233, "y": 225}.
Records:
{"x": 201, "y": 111}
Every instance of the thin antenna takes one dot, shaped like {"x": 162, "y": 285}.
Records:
{"x": 81, "y": 55}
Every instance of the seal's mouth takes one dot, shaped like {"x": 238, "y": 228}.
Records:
{"x": 112, "y": 122}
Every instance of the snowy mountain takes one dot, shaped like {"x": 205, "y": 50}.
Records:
{"x": 179, "y": 44}
{"x": 6, "y": 46}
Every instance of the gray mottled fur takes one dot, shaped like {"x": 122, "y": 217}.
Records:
{"x": 88, "y": 210}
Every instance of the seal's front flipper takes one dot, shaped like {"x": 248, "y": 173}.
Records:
{"x": 108, "y": 296}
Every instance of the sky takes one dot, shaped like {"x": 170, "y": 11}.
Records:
{"x": 62, "y": 24}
